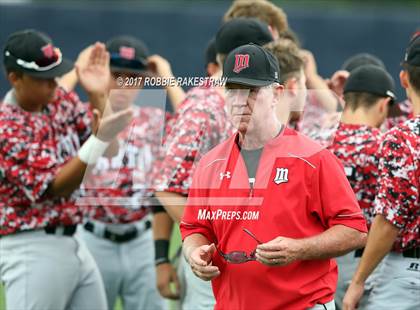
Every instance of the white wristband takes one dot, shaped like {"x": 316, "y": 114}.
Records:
{"x": 92, "y": 150}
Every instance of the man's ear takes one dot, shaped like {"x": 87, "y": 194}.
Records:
{"x": 292, "y": 87}
{"x": 13, "y": 78}
{"x": 274, "y": 32}
{"x": 212, "y": 68}
{"x": 404, "y": 79}
{"x": 384, "y": 104}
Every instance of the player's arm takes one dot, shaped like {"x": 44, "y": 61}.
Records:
{"x": 69, "y": 80}
{"x": 391, "y": 210}
{"x": 70, "y": 175}
{"x": 162, "y": 68}
{"x": 93, "y": 73}
{"x": 336, "y": 241}
{"x": 316, "y": 83}
{"x": 173, "y": 203}
{"x": 165, "y": 272}
{"x": 382, "y": 236}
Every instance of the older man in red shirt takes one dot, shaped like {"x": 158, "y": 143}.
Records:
{"x": 268, "y": 208}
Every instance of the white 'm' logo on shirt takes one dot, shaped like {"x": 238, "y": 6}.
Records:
{"x": 281, "y": 175}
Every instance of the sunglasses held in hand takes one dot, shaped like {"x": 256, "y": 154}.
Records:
{"x": 240, "y": 257}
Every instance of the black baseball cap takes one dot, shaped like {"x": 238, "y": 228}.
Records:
{"x": 412, "y": 54}
{"x": 371, "y": 79}
{"x": 33, "y": 53}
{"x": 251, "y": 65}
{"x": 240, "y": 31}
{"x": 361, "y": 59}
{"x": 128, "y": 54}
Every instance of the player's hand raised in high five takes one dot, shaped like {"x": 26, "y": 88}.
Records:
{"x": 93, "y": 73}
{"x": 200, "y": 261}
{"x": 112, "y": 124}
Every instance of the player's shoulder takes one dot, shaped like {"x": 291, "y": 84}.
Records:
{"x": 309, "y": 150}
{"x": 202, "y": 98}
{"x": 218, "y": 155}
{"x": 408, "y": 131}
{"x": 12, "y": 117}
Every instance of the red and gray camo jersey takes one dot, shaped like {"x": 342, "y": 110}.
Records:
{"x": 33, "y": 147}
{"x": 118, "y": 188}
{"x": 399, "y": 182}
{"x": 357, "y": 148}
{"x": 200, "y": 124}
{"x": 406, "y": 109}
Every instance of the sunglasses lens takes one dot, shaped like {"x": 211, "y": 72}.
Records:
{"x": 237, "y": 257}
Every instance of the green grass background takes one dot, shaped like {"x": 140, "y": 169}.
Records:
{"x": 175, "y": 243}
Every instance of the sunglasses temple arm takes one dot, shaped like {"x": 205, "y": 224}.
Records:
{"x": 252, "y": 235}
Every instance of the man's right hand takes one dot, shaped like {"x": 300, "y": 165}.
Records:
{"x": 113, "y": 124}
{"x": 201, "y": 263}
{"x": 165, "y": 275}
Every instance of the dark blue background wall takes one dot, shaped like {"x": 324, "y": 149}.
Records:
{"x": 180, "y": 33}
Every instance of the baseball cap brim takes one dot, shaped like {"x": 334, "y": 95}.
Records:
{"x": 144, "y": 72}
{"x": 64, "y": 67}
{"x": 249, "y": 82}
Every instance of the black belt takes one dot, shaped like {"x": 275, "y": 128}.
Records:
{"x": 66, "y": 231}
{"x": 412, "y": 253}
{"x": 118, "y": 238}
{"x": 359, "y": 252}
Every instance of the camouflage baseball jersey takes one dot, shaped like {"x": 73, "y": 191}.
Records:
{"x": 399, "y": 182}
{"x": 200, "y": 124}
{"x": 407, "y": 112}
{"x": 357, "y": 148}
{"x": 33, "y": 147}
{"x": 317, "y": 122}
{"x": 118, "y": 188}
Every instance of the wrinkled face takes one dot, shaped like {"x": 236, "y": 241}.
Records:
{"x": 124, "y": 88}
{"x": 34, "y": 92}
{"x": 250, "y": 107}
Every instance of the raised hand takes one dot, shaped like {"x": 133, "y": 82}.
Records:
{"x": 113, "y": 124}
{"x": 92, "y": 69}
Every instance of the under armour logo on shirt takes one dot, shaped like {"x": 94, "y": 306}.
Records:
{"x": 281, "y": 175}
{"x": 225, "y": 175}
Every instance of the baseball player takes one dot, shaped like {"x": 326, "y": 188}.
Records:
{"x": 210, "y": 56}
{"x": 268, "y": 208}
{"x": 263, "y": 10}
{"x": 368, "y": 93}
{"x": 117, "y": 190}
{"x": 47, "y": 143}
{"x": 394, "y": 233}
{"x": 291, "y": 65}
{"x": 200, "y": 124}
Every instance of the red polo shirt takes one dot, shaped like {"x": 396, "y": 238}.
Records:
{"x": 300, "y": 191}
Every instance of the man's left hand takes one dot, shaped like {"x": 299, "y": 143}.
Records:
{"x": 279, "y": 251}
{"x": 353, "y": 295}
